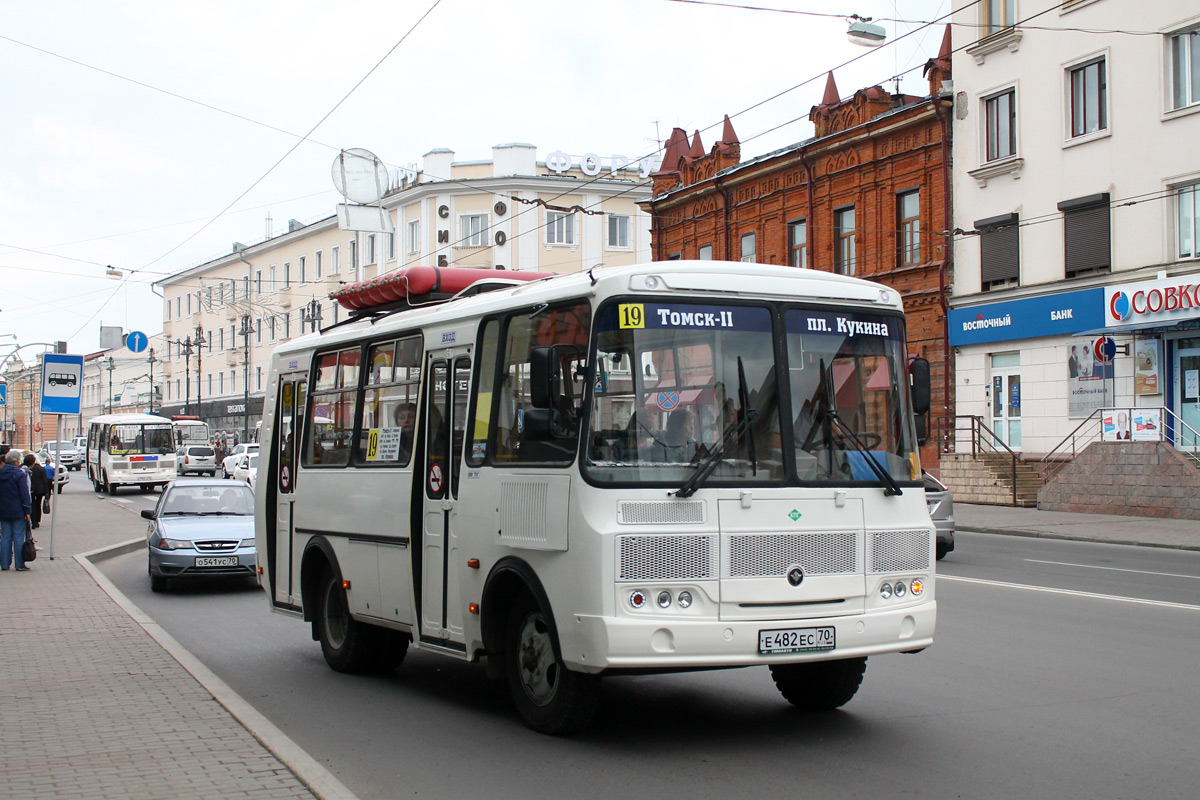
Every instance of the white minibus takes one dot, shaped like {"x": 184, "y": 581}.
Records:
{"x": 130, "y": 450}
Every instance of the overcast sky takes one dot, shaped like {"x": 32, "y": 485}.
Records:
{"x": 131, "y": 125}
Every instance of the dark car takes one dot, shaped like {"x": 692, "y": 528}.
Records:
{"x": 941, "y": 510}
{"x": 201, "y": 529}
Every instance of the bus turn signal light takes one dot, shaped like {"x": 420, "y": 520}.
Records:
{"x": 473, "y": 608}
{"x": 473, "y": 563}
{"x": 346, "y": 585}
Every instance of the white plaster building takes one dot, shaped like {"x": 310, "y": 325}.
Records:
{"x": 1076, "y": 192}
{"x": 513, "y": 212}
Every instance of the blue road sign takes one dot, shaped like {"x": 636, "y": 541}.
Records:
{"x": 137, "y": 341}
{"x": 3, "y": 394}
{"x": 62, "y": 383}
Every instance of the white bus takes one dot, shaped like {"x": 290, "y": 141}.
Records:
{"x": 130, "y": 450}
{"x": 672, "y": 466}
{"x": 189, "y": 430}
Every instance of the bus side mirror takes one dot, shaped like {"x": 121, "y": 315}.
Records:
{"x": 544, "y": 377}
{"x": 921, "y": 391}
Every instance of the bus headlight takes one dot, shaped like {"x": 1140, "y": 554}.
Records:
{"x": 918, "y": 588}
{"x": 885, "y": 591}
{"x": 664, "y": 599}
{"x": 685, "y": 599}
{"x": 900, "y": 588}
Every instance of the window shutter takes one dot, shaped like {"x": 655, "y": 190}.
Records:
{"x": 999, "y": 248}
{"x": 1086, "y": 234}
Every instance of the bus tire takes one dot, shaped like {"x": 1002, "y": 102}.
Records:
{"x": 390, "y": 649}
{"x": 550, "y": 698}
{"x": 348, "y": 645}
{"x": 819, "y": 685}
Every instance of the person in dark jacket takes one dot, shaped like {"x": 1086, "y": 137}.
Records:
{"x": 39, "y": 487}
{"x": 15, "y": 505}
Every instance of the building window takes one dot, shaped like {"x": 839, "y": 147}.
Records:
{"x": 370, "y": 248}
{"x": 1086, "y": 235}
{"x": 287, "y": 325}
{"x": 1089, "y": 99}
{"x": 168, "y": 310}
{"x": 303, "y": 270}
{"x": 258, "y": 379}
{"x": 1188, "y": 221}
{"x": 618, "y": 231}
{"x": 271, "y": 279}
{"x": 335, "y": 260}
{"x": 220, "y": 338}
{"x": 908, "y": 214}
{"x": 845, "y": 254}
{"x": 179, "y": 306}
{"x": 706, "y": 252}
{"x": 391, "y": 247}
{"x": 220, "y": 383}
{"x": 1184, "y": 61}
{"x": 317, "y": 266}
{"x": 999, "y": 251}
{"x": 287, "y": 274}
{"x": 676, "y": 256}
{"x": 232, "y": 290}
{"x": 353, "y": 257}
{"x": 1000, "y": 114}
{"x": 998, "y": 15}
{"x": 560, "y": 228}
{"x": 258, "y": 282}
{"x": 749, "y": 253}
{"x": 177, "y": 394}
{"x": 414, "y": 236}
{"x": 798, "y": 243}
{"x": 271, "y": 328}
{"x": 210, "y": 384}
{"x": 473, "y": 230}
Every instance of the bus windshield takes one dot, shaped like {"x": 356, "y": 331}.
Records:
{"x": 135, "y": 440}
{"x": 676, "y": 382}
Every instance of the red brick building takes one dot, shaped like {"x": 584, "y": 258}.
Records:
{"x": 869, "y": 196}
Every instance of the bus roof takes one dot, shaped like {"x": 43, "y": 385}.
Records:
{"x": 129, "y": 419}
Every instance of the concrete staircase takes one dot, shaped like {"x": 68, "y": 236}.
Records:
{"x": 988, "y": 478}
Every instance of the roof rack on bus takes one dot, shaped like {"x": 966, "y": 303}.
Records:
{"x": 417, "y": 286}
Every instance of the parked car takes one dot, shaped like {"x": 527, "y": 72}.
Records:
{"x": 247, "y": 468}
{"x": 201, "y": 529}
{"x": 198, "y": 458}
{"x": 941, "y": 510}
{"x": 68, "y": 453}
{"x": 231, "y": 460}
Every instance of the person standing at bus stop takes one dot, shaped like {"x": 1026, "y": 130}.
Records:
{"x": 15, "y": 505}
{"x": 39, "y": 487}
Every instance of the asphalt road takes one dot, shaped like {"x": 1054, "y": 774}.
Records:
{"x": 1085, "y": 687}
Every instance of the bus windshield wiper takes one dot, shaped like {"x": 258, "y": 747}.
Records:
{"x": 733, "y": 432}
{"x": 885, "y": 477}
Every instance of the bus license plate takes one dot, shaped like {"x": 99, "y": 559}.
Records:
{"x": 796, "y": 640}
{"x": 216, "y": 561}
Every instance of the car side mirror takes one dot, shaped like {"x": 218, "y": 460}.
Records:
{"x": 147, "y": 513}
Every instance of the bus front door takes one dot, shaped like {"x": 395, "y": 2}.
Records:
{"x": 281, "y": 563}
{"x": 445, "y": 423}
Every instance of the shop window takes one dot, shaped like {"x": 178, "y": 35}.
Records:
{"x": 999, "y": 251}
{"x": 1086, "y": 235}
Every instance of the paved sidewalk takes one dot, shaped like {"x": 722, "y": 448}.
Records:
{"x": 1182, "y": 534}
{"x": 94, "y": 707}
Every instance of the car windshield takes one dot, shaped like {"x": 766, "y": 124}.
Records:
{"x": 681, "y": 389}
{"x": 672, "y": 383}
{"x": 133, "y": 440}
{"x": 186, "y": 500}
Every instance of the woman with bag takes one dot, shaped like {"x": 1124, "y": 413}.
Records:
{"x": 14, "y": 511}
{"x": 39, "y": 488}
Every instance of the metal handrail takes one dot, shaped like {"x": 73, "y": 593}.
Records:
{"x": 984, "y": 438}
{"x": 1178, "y": 420}
{"x": 1053, "y": 461}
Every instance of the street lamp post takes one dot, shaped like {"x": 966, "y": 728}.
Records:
{"x": 245, "y": 333}
{"x": 186, "y": 349}
{"x": 152, "y": 360}
{"x": 199, "y": 352}
{"x": 111, "y": 367}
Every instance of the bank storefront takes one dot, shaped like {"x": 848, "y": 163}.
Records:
{"x": 230, "y": 416}
{"x": 1034, "y": 368}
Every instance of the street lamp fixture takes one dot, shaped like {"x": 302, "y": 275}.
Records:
{"x": 111, "y": 367}
{"x": 186, "y": 348}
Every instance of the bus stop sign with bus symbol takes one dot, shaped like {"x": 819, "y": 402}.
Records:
{"x": 62, "y": 379}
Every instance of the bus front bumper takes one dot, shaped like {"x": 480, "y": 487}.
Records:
{"x": 592, "y": 643}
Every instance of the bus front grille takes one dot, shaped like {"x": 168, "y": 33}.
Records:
{"x": 666, "y": 558}
{"x": 899, "y": 551}
{"x": 771, "y": 555}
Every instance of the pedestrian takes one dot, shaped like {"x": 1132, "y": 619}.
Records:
{"x": 14, "y": 511}
{"x": 39, "y": 488}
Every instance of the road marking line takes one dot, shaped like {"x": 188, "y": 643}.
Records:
{"x": 1115, "y": 569}
{"x": 1073, "y": 592}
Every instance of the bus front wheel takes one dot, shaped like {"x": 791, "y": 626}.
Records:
{"x": 550, "y": 698}
{"x": 819, "y": 685}
{"x": 348, "y": 645}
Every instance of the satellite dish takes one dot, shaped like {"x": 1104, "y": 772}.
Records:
{"x": 360, "y": 176}
{"x": 865, "y": 33}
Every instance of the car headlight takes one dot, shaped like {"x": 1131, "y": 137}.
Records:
{"x": 246, "y": 543}
{"x": 174, "y": 544}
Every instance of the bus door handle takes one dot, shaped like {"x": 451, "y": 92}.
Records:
{"x": 447, "y": 504}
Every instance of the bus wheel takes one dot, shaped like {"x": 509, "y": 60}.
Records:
{"x": 109, "y": 486}
{"x": 550, "y": 698}
{"x": 348, "y": 645}
{"x": 390, "y": 649}
{"x": 819, "y": 685}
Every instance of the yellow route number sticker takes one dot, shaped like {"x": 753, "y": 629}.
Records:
{"x": 373, "y": 444}
{"x": 631, "y": 315}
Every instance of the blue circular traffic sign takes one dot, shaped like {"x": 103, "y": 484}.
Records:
{"x": 137, "y": 341}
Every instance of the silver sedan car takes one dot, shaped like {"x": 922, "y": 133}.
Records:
{"x": 941, "y": 510}
{"x": 201, "y": 529}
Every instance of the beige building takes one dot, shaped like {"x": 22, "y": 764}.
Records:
{"x": 221, "y": 319}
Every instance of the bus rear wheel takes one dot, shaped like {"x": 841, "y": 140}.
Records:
{"x": 819, "y": 685}
{"x": 348, "y": 645}
{"x": 550, "y": 698}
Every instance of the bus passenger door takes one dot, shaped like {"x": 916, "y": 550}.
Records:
{"x": 281, "y": 564}
{"x": 445, "y": 426}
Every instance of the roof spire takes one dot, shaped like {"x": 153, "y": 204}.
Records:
{"x": 831, "y": 97}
